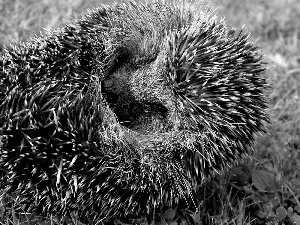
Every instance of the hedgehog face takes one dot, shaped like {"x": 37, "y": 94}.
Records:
{"x": 140, "y": 97}
{"x": 127, "y": 108}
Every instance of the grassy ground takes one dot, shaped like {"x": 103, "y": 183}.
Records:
{"x": 269, "y": 181}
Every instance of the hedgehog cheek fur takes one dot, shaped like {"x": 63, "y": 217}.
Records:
{"x": 140, "y": 111}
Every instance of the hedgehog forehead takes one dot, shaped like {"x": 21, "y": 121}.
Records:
{"x": 141, "y": 29}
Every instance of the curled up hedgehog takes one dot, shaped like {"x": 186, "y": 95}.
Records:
{"x": 127, "y": 109}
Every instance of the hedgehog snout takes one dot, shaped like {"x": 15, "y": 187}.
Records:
{"x": 140, "y": 98}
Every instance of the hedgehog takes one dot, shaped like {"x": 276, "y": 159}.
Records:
{"x": 128, "y": 108}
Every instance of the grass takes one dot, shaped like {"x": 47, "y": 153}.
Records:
{"x": 268, "y": 190}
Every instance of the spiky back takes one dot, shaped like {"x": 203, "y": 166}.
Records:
{"x": 127, "y": 108}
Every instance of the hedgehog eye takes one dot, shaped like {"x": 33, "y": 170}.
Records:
{"x": 139, "y": 62}
{"x": 116, "y": 60}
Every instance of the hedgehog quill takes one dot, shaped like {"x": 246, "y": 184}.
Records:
{"x": 127, "y": 108}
